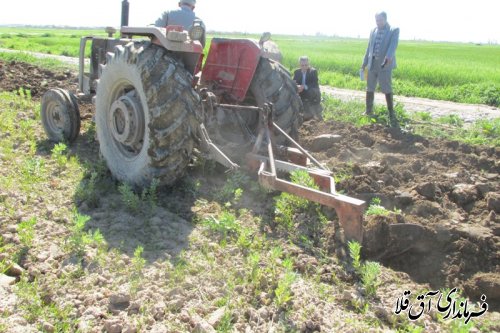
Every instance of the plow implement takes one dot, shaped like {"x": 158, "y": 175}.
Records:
{"x": 274, "y": 162}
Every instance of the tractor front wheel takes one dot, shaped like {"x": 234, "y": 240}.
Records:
{"x": 60, "y": 115}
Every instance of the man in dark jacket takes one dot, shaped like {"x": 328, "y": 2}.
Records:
{"x": 306, "y": 78}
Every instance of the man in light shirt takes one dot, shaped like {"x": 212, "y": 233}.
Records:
{"x": 380, "y": 59}
{"x": 184, "y": 16}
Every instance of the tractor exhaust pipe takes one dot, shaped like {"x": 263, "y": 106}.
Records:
{"x": 125, "y": 7}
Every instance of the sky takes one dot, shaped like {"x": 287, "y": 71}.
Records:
{"x": 438, "y": 20}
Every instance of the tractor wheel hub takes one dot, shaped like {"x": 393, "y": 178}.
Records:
{"x": 126, "y": 120}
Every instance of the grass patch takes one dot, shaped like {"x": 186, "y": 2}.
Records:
{"x": 36, "y": 308}
{"x": 233, "y": 188}
{"x": 26, "y": 232}
{"x": 353, "y": 112}
{"x": 481, "y": 132}
{"x": 452, "y": 119}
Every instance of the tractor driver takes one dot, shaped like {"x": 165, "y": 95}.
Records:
{"x": 184, "y": 16}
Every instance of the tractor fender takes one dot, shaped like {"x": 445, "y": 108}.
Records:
{"x": 230, "y": 67}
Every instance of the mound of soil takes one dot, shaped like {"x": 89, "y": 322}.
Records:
{"x": 15, "y": 75}
{"x": 448, "y": 191}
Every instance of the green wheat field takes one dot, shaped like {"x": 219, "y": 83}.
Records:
{"x": 467, "y": 73}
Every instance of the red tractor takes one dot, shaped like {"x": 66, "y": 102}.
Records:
{"x": 153, "y": 108}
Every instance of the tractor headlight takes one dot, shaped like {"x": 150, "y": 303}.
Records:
{"x": 197, "y": 31}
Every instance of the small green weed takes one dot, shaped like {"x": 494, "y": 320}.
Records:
{"x": 232, "y": 189}
{"x": 26, "y": 232}
{"x": 376, "y": 208}
{"x": 283, "y": 293}
{"x": 410, "y": 328}
{"x": 369, "y": 277}
{"x": 355, "y": 253}
{"x": 451, "y": 119}
{"x": 4, "y": 264}
{"x": 368, "y": 272}
{"x": 33, "y": 171}
{"x": 179, "y": 270}
{"x": 87, "y": 191}
{"x": 79, "y": 239}
{"x": 244, "y": 240}
{"x": 423, "y": 115}
{"x": 225, "y": 225}
{"x": 237, "y": 194}
{"x": 131, "y": 200}
{"x": 150, "y": 194}
{"x": 287, "y": 205}
{"x": 59, "y": 154}
{"x": 138, "y": 263}
{"x": 225, "y": 325}
{"x": 343, "y": 174}
{"x": 255, "y": 272}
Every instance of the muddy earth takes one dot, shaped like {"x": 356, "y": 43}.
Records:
{"x": 16, "y": 75}
{"x": 444, "y": 229}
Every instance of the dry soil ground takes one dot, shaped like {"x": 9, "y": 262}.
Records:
{"x": 450, "y": 189}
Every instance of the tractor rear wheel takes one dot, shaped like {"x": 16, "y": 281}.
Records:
{"x": 272, "y": 84}
{"x": 146, "y": 115}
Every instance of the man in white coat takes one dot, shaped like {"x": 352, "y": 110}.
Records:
{"x": 380, "y": 59}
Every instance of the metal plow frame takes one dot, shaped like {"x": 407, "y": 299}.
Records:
{"x": 348, "y": 209}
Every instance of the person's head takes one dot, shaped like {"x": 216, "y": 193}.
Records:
{"x": 304, "y": 63}
{"x": 190, "y": 3}
{"x": 381, "y": 19}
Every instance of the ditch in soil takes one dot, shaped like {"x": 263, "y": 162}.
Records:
{"x": 445, "y": 198}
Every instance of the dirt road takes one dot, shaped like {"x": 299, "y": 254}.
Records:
{"x": 68, "y": 60}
